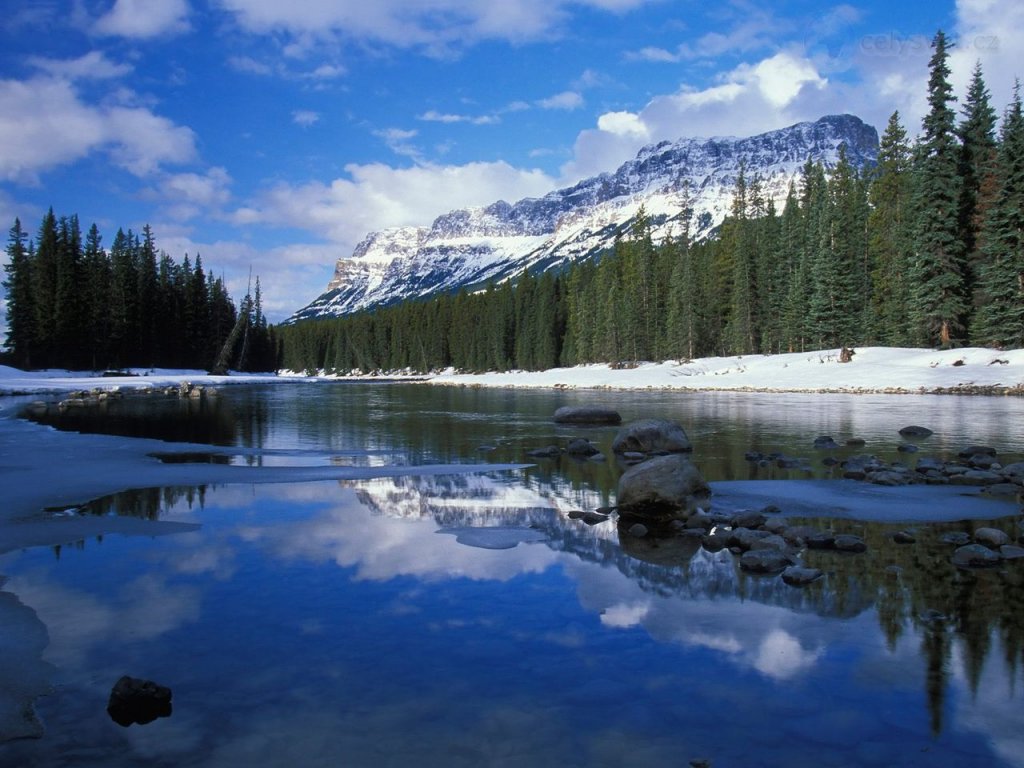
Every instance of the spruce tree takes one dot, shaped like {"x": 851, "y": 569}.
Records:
{"x": 939, "y": 303}
{"x": 1000, "y": 316}
{"x": 20, "y": 311}
{"x": 888, "y": 243}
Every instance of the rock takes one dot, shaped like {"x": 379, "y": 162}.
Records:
{"x": 748, "y": 519}
{"x": 887, "y": 478}
{"x": 798, "y": 535}
{"x": 770, "y": 509}
{"x": 652, "y": 436}
{"x": 570, "y": 414}
{"x": 576, "y": 514}
{"x": 974, "y": 556}
{"x": 771, "y": 541}
{"x": 956, "y": 538}
{"x": 748, "y": 456}
{"x": 825, "y": 443}
{"x": 717, "y": 540}
{"x": 1015, "y": 470}
{"x": 598, "y": 457}
{"x": 765, "y": 561}
{"x": 138, "y": 701}
{"x": 846, "y": 542}
{"x": 904, "y": 537}
{"x": 993, "y": 538}
{"x": 581, "y": 447}
{"x": 856, "y": 442}
{"x": 975, "y": 477}
{"x": 744, "y": 538}
{"x": 915, "y": 431}
{"x": 1011, "y": 552}
{"x": 821, "y": 540}
{"x": 799, "y": 576}
{"x": 977, "y": 450}
{"x": 928, "y": 464}
{"x": 593, "y": 518}
{"x": 664, "y": 484}
{"x": 830, "y": 461}
{"x": 907, "y": 448}
{"x": 981, "y": 461}
{"x": 551, "y": 452}
{"x": 633, "y": 457}
{"x": 638, "y": 530}
{"x": 1002, "y": 490}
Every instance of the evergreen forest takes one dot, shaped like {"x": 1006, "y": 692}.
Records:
{"x": 923, "y": 249}
{"x": 73, "y": 304}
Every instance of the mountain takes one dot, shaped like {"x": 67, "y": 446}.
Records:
{"x": 474, "y": 246}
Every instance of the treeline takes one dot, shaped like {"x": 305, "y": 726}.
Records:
{"x": 73, "y": 304}
{"x": 923, "y": 249}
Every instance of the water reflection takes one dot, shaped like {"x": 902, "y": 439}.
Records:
{"x": 299, "y": 599}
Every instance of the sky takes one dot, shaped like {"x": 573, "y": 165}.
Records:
{"x": 272, "y": 136}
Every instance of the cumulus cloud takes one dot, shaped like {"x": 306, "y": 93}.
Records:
{"x": 752, "y": 98}
{"x": 988, "y": 31}
{"x": 184, "y": 196}
{"x": 143, "y": 20}
{"x": 377, "y": 196}
{"x": 44, "y": 124}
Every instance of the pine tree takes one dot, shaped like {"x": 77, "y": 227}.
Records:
{"x": 888, "y": 238}
{"x": 1000, "y": 317}
{"x": 20, "y": 312}
{"x": 939, "y": 304}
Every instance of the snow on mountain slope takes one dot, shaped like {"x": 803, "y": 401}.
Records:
{"x": 471, "y": 247}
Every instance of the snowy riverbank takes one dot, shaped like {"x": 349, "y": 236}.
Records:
{"x": 872, "y": 369}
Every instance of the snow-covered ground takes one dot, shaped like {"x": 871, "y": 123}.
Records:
{"x": 872, "y": 369}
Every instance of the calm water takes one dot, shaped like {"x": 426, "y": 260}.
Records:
{"x": 375, "y": 623}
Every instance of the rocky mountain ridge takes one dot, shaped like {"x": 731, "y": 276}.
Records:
{"x": 471, "y": 247}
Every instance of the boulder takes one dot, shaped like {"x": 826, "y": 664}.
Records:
{"x": 581, "y": 447}
{"x": 765, "y": 561}
{"x": 749, "y": 519}
{"x": 825, "y": 443}
{"x": 915, "y": 431}
{"x": 975, "y": 477}
{"x": 1011, "y": 552}
{"x": 956, "y": 538}
{"x": 974, "y": 556}
{"x": 551, "y": 452}
{"x": 799, "y": 576}
{"x": 664, "y": 484}
{"x": 904, "y": 537}
{"x": 571, "y": 414}
{"x": 846, "y": 542}
{"x": 652, "y": 436}
{"x": 993, "y": 538}
{"x": 138, "y": 701}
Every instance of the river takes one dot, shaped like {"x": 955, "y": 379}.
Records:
{"x": 467, "y": 619}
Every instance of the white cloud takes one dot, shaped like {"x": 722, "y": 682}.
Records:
{"x": 249, "y": 65}
{"x": 184, "y": 196}
{"x": 44, "y": 124}
{"x": 92, "y": 66}
{"x": 752, "y": 98}
{"x": 144, "y": 19}
{"x": 432, "y": 25}
{"x": 305, "y": 117}
{"x": 988, "y": 31}
{"x": 377, "y": 196}
{"x": 567, "y": 100}
{"x": 397, "y": 140}
{"x": 433, "y": 116}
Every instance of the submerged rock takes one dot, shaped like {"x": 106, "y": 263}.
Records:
{"x": 993, "y": 538}
{"x": 581, "y": 447}
{"x": 916, "y": 431}
{"x": 974, "y": 556}
{"x": 765, "y": 561}
{"x": 799, "y": 576}
{"x": 586, "y": 414}
{"x": 138, "y": 701}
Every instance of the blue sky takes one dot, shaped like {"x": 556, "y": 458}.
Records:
{"x": 277, "y": 134}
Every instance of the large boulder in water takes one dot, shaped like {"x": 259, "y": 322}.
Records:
{"x": 664, "y": 485}
{"x": 651, "y": 436}
{"x": 138, "y": 701}
{"x": 571, "y": 414}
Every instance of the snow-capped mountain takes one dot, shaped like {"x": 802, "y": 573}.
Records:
{"x": 474, "y": 246}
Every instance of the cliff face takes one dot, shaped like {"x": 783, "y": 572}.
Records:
{"x": 470, "y": 247}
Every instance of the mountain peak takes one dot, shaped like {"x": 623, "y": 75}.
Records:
{"x": 470, "y": 247}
